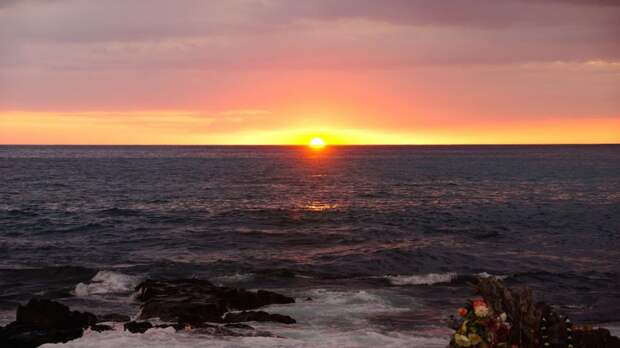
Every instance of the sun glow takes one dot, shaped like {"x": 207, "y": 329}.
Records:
{"x": 317, "y": 143}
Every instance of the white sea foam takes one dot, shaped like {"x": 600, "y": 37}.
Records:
{"x": 422, "y": 279}
{"x": 614, "y": 328}
{"x": 487, "y": 275}
{"x": 106, "y": 282}
{"x": 6, "y": 316}
{"x": 165, "y": 338}
{"x": 332, "y": 319}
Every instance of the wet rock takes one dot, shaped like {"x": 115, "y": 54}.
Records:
{"x": 196, "y": 301}
{"x": 182, "y": 311}
{"x": 100, "y": 328}
{"x": 184, "y": 327}
{"x": 595, "y": 338}
{"x": 137, "y": 327}
{"x": 44, "y": 321}
{"x": 257, "y": 316}
{"x": 119, "y": 318}
{"x": 47, "y": 314}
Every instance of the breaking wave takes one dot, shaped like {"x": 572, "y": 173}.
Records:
{"x": 106, "y": 282}
{"x": 437, "y": 278}
{"x": 423, "y": 279}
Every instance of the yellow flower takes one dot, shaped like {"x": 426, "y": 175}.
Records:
{"x": 474, "y": 339}
{"x": 463, "y": 328}
{"x": 462, "y": 340}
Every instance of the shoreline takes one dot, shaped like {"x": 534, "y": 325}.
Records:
{"x": 335, "y": 316}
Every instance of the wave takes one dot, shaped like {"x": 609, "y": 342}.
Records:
{"x": 297, "y": 337}
{"x": 423, "y": 279}
{"x": 237, "y": 277}
{"x": 487, "y": 275}
{"x": 107, "y": 282}
{"x": 437, "y": 278}
{"x": 119, "y": 212}
{"x": 331, "y": 319}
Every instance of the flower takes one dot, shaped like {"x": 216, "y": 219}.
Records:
{"x": 480, "y": 308}
{"x": 462, "y": 340}
{"x": 480, "y": 326}
{"x": 474, "y": 339}
{"x": 478, "y": 302}
{"x": 481, "y": 311}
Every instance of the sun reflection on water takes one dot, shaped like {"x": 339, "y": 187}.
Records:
{"x": 318, "y": 206}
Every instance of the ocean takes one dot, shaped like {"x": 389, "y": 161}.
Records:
{"x": 384, "y": 239}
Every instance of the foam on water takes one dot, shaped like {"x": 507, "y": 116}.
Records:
{"x": 322, "y": 308}
{"x": 165, "y": 338}
{"x": 333, "y": 318}
{"x": 6, "y": 316}
{"x": 487, "y": 275}
{"x": 107, "y": 282}
{"x": 434, "y": 278}
{"x": 422, "y": 279}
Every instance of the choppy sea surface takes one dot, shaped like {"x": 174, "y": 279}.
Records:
{"x": 383, "y": 239}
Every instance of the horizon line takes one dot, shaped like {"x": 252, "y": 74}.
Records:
{"x": 328, "y": 145}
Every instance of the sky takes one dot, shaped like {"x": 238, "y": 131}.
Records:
{"x": 285, "y": 71}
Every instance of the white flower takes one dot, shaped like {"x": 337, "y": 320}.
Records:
{"x": 481, "y": 311}
{"x": 503, "y": 317}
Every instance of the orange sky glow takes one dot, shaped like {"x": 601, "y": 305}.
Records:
{"x": 283, "y": 72}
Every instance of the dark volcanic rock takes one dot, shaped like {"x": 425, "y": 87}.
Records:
{"x": 120, "y": 318}
{"x": 183, "y": 311}
{"x": 44, "y": 321}
{"x": 137, "y": 327}
{"x": 595, "y": 338}
{"x": 46, "y": 314}
{"x": 257, "y": 316}
{"x": 100, "y": 328}
{"x": 196, "y": 301}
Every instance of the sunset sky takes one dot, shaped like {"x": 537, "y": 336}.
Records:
{"x": 285, "y": 71}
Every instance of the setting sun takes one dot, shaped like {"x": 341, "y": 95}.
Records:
{"x": 317, "y": 143}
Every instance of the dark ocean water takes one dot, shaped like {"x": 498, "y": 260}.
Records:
{"x": 397, "y": 223}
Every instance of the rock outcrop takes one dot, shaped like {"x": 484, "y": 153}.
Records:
{"x": 192, "y": 301}
{"x": 137, "y": 326}
{"x": 44, "y": 321}
{"x": 113, "y": 317}
{"x": 239, "y": 317}
{"x": 187, "y": 304}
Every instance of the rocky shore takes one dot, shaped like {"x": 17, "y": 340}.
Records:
{"x": 198, "y": 306}
{"x": 183, "y": 304}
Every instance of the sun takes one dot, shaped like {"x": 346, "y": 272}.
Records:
{"x": 317, "y": 143}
